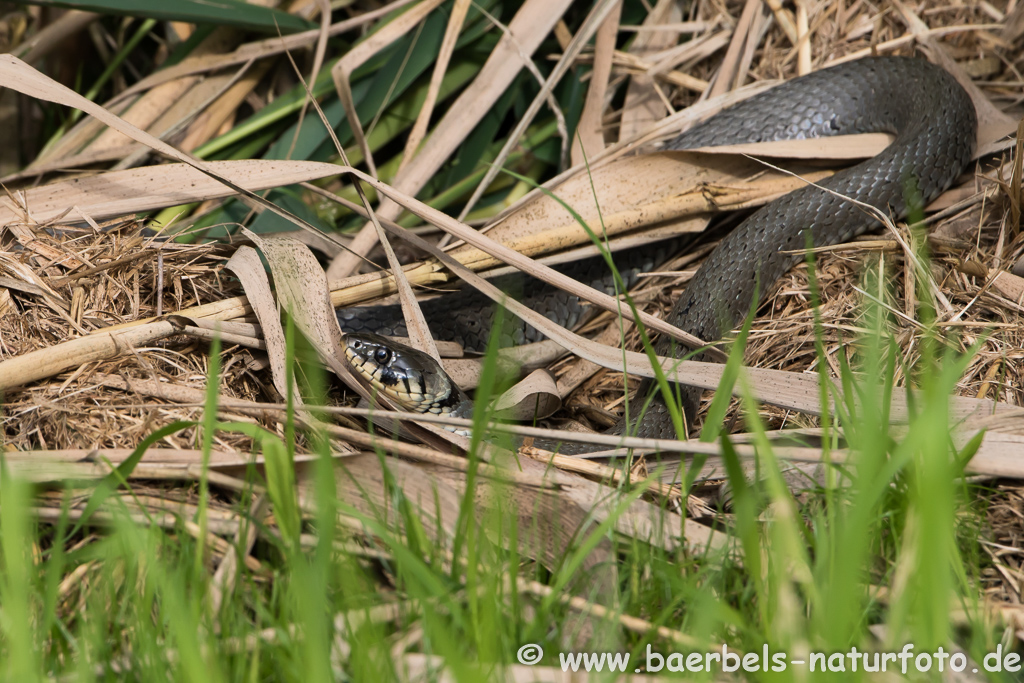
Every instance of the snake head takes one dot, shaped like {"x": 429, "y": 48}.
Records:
{"x": 409, "y": 377}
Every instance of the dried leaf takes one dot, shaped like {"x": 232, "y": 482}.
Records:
{"x": 451, "y": 37}
{"x": 19, "y": 76}
{"x": 643, "y": 106}
{"x": 358, "y": 56}
{"x": 532, "y": 23}
{"x": 533, "y": 398}
{"x": 589, "y": 140}
{"x": 117, "y": 193}
{"x": 245, "y": 263}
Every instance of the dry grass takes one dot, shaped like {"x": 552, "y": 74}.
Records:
{"x": 95, "y": 279}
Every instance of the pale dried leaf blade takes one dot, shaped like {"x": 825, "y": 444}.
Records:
{"x": 245, "y": 263}
{"x": 465, "y": 372}
{"x": 528, "y": 28}
{"x": 1009, "y": 285}
{"x": 841, "y": 147}
{"x": 153, "y": 457}
{"x": 360, "y": 54}
{"x": 19, "y": 76}
{"x": 302, "y": 290}
{"x": 998, "y": 455}
{"x": 451, "y": 37}
{"x": 118, "y": 193}
{"x": 589, "y": 139}
{"x": 533, "y": 398}
{"x": 636, "y": 191}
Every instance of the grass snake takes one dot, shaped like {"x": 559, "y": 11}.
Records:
{"x": 934, "y": 124}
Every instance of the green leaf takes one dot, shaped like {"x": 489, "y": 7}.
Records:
{"x": 220, "y": 12}
{"x": 279, "y": 467}
{"x": 120, "y": 474}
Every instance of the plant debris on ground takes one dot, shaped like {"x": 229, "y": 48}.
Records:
{"x": 186, "y": 494}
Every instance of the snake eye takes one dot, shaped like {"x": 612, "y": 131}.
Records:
{"x": 356, "y": 344}
{"x": 382, "y": 356}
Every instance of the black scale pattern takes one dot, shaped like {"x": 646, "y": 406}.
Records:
{"x": 934, "y": 124}
{"x": 467, "y": 316}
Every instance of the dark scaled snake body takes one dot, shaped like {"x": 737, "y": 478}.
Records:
{"x": 934, "y": 124}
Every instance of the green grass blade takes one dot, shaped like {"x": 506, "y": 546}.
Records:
{"x": 221, "y": 12}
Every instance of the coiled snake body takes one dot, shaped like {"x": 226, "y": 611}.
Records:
{"x": 934, "y": 124}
